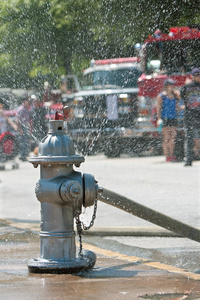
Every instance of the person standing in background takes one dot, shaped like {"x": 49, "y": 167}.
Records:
{"x": 196, "y": 146}
{"x": 24, "y": 128}
{"x": 167, "y": 106}
{"x": 5, "y": 121}
{"x": 39, "y": 122}
{"x": 190, "y": 93}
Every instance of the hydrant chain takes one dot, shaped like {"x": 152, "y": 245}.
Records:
{"x": 80, "y": 225}
{"x": 79, "y": 231}
{"x": 93, "y": 217}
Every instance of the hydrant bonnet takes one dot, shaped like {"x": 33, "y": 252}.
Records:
{"x": 56, "y": 147}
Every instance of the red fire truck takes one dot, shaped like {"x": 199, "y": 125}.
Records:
{"x": 170, "y": 55}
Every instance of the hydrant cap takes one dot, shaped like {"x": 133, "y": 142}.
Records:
{"x": 56, "y": 143}
{"x": 57, "y": 147}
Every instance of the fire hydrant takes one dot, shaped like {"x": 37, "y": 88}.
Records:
{"x": 62, "y": 192}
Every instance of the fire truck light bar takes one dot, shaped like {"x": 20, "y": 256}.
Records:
{"x": 117, "y": 61}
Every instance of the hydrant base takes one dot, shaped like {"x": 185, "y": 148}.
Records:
{"x": 81, "y": 263}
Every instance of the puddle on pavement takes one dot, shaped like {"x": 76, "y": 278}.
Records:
{"x": 180, "y": 253}
{"x": 16, "y": 235}
{"x": 17, "y": 246}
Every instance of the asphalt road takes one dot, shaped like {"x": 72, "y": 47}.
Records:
{"x": 169, "y": 188}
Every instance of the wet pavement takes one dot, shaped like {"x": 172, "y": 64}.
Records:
{"x": 134, "y": 259}
{"x": 114, "y": 276}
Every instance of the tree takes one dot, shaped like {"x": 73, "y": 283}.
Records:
{"x": 27, "y": 38}
{"x": 43, "y": 39}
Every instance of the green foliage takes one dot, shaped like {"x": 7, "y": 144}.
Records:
{"x": 43, "y": 39}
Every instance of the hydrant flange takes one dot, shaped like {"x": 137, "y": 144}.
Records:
{"x": 82, "y": 263}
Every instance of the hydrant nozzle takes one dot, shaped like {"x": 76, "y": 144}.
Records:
{"x": 62, "y": 192}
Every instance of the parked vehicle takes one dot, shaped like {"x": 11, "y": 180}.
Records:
{"x": 171, "y": 55}
{"x": 105, "y": 109}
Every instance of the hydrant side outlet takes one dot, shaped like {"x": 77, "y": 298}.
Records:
{"x": 90, "y": 189}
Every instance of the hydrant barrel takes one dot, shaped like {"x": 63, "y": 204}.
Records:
{"x": 62, "y": 192}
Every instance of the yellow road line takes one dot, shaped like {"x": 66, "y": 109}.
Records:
{"x": 143, "y": 261}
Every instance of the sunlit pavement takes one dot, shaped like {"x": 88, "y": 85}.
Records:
{"x": 169, "y": 188}
{"x": 127, "y": 267}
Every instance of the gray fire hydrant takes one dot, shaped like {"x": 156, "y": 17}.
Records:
{"x": 62, "y": 192}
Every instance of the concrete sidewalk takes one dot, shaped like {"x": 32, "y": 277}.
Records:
{"x": 114, "y": 276}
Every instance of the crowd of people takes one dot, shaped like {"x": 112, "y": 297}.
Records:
{"x": 30, "y": 125}
{"x": 168, "y": 106}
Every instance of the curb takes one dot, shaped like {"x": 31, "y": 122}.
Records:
{"x": 130, "y": 231}
{"x": 100, "y": 231}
